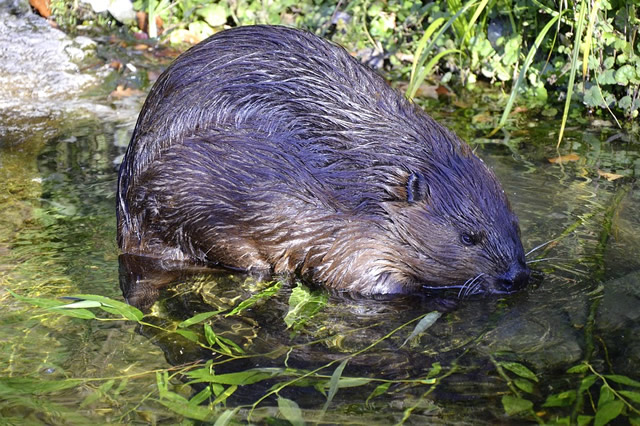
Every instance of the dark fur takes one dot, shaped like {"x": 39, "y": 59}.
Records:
{"x": 267, "y": 148}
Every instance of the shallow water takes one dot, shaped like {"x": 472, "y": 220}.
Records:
{"x": 57, "y": 238}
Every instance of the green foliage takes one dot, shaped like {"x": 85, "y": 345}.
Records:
{"x": 423, "y": 325}
{"x": 616, "y": 395}
{"x": 303, "y": 305}
{"x": 209, "y": 403}
{"x": 531, "y": 49}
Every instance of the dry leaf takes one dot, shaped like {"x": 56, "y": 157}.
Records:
{"x": 609, "y": 176}
{"x": 427, "y": 91}
{"x": 116, "y": 65}
{"x": 564, "y": 158}
{"x": 121, "y": 92}
{"x": 42, "y": 7}
{"x": 483, "y": 117}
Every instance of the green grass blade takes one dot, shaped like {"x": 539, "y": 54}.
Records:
{"x": 414, "y": 81}
{"x": 588, "y": 37}
{"x": 418, "y": 57}
{"x": 523, "y": 70}
{"x": 574, "y": 66}
{"x": 333, "y": 384}
{"x": 411, "y": 92}
{"x": 475, "y": 17}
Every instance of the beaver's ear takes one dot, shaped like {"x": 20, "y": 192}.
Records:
{"x": 417, "y": 188}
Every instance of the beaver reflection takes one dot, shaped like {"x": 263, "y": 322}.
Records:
{"x": 269, "y": 149}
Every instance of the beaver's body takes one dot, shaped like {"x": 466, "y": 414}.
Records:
{"x": 267, "y": 148}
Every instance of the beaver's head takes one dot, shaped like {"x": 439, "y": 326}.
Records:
{"x": 456, "y": 229}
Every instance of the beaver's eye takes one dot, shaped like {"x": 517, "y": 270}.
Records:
{"x": 467, "y": 239}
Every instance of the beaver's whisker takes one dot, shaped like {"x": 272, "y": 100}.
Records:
{"x": 463, "y": 287}
{"x": 442, "y": 287}
{"x": 469, "y": 286}
{"x": 475, "y": 289}
{"x": 541, "y": 245}
{"x": 543, "y": 260}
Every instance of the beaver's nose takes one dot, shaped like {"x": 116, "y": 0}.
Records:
{"x": 514, "y": 279}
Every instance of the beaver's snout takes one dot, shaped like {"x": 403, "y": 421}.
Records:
{"x": 513, "y": 279}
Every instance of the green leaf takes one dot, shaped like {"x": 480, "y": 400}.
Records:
{"x": 225, "y": 418}
{"x": 512, "y": 50}
{"x": 633, "y": 396}
{"x": 625, "y": 74}
{"x": 435, "y": 369}
{"x": 352, "y": 382}
{"x": 75, "y": 313}
{"x": 266, "y": 293}
{"x": 427, "y": 321}
{"x": 214, "y": 14}
{"x": 607, "y": 77}
{"x": 80, "y": 304}
{"x": 513, "y": 405}
{"x": 210, "y": 335}
{"x": 563, "y": 399}
{"x": 37, "y": 386}
{"x": 584, "y": 420}
{"x": 586, "y": 383}
{"x": 379, "y": 390}
{"x": 580, "y": 368}
{"x": 303, "y": 305}
{"x": 230, "y": 343}
{"x": 519, "y": 369}
{"x": 129, "y": 312}
{"x": 290, "y": 411}
{"x": 608, "y": 412}
{"x": 201, "y": 396}
{"x": 625, "y": 103}
{"x": 37, "y": 301}
{"x": 609, "y": 62}
{"x": 333, "y": 383}
{"x": 222, "y": 397}
{"x": 247, "y": 377}
{"x": 223, "y": 348}
{"x": 623, "y": 380}
{"x": 98, "y": 393}
{"x": 524, "y": 384}
{"x": 592, "y": 97}
{"x": 179, "y": 405}
{"x": 419, "y": 58}
{"x": 418, "y": 71}
{"x": 197, "y": 318}
{"x": 606, "y": 396}
{"x": 188, "y": 334}
{"x": 574, "y": 66}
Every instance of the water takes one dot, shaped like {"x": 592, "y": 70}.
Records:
{"x": 57, "y": 238}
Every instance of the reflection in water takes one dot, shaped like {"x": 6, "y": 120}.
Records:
{"x": 58, "y": 238}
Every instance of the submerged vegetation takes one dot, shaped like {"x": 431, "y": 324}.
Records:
{"x": 588, "y": 395}
{"x": 552, "y": 57}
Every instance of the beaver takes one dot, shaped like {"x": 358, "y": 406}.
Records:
{"x": 270, "y": 149}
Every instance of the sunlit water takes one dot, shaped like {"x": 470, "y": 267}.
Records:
{"x": 57, "y": 238}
